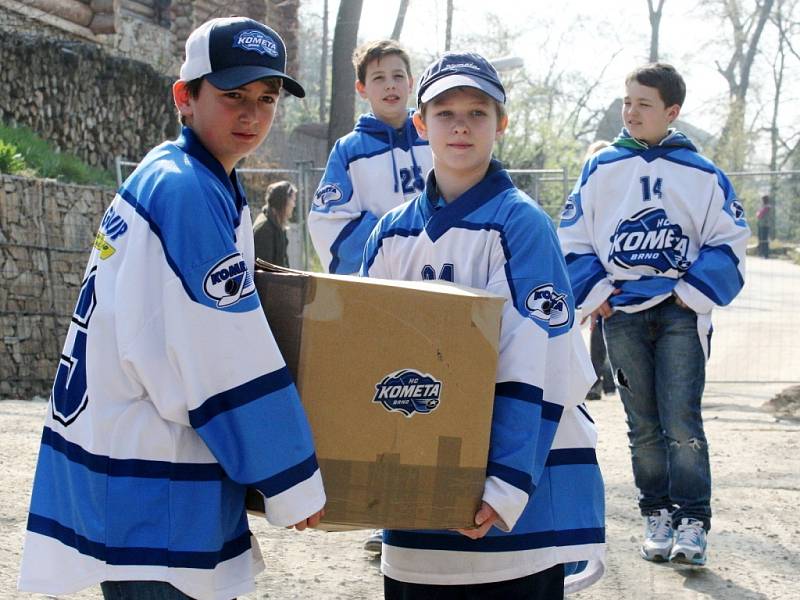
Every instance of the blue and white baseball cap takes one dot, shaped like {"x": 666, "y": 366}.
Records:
{"x": 458, "y": 69}
{"x": 234, "y": 51}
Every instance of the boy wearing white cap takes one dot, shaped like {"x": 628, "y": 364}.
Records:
{"x": 542, "y": 516}
{"x": 171, "y": 397}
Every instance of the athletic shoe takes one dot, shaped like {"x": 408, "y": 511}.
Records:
{"x": 374, "y": 541}
{"x": 657, "y": 536}
{"x": 690, "y": 543}
{"x": 594, "y": 391}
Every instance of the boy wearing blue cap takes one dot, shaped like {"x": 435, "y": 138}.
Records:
{"x": 171, "y": 397}
{"x": 542, "y": 513}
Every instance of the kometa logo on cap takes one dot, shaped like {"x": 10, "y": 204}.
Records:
{"x": 255, "y": 41}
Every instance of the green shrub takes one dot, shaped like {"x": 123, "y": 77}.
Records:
{"x": 11, "y": 161}
{"x": 44, "y": 161}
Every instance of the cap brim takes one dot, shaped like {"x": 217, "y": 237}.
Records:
{"x": 460, "y": 80}
{"x": 235, "y": 77}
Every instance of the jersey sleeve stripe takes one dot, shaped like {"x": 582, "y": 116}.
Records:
{"x": 585, "y": 271}
{"x": 526, "y": 392}
{"x": 280, "y": 482}
{"x": 239, "y": 396}
{"x": 131, "y": 467}
{"x": 519, "y": 391}
{"x": 138, "y": 556}
{"x": 519, "y": 479}
{"x": 347, "y": 248}
{"x": 571, "y": 456}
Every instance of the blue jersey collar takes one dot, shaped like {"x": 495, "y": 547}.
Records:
{"x": 439, "y": 216}
{"x": 191, "y": 144}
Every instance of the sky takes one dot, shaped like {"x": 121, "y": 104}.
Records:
{"x": 587, "y": 34}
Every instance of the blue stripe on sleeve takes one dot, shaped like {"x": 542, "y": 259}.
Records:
{"x": 281, "y": 482}
{"x": 572, "y": 456}
{"x": 585, "y": 271}
{"x": 715, "y": 273}
{"x": 239, "y": 396}
{"x": 519, "y": 479}
{"x": 519, "y": 391}
{"x": 348, "y": 248}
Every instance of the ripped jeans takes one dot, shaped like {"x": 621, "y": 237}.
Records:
{"x": 660, "y": 371}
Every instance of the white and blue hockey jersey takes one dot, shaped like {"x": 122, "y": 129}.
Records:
{"x": 542, "y": 476}
{"x": 170, "y": 398}
{"x": 370, "y": 171}
{"x": 650, "y": 221}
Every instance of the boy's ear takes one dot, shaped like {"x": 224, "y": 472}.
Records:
{"x": 502, "y": 124}
{"x": 673, "y": 112}
{"x": 181, "y": 97}
{"x": 419, "y": 125}
{"x": 361, "y": 89}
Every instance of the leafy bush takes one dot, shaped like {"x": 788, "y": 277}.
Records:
{"x": 11, "y": 160}
{"x": 44, "y": 161}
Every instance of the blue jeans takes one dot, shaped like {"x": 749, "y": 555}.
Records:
{"x": 141, "y": 590}
{"x": 660, "y": 369}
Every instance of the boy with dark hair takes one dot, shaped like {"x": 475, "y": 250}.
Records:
{"x": 379, "y": 165}
{"x": 171, "y": 397}
{"x": 543, "y": 500}
{"x": 654, "y": 238}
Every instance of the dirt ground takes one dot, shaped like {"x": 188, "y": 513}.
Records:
{"x": 754, "y": 545}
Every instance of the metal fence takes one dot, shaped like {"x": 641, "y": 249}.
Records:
{"x": 769, "y": 358}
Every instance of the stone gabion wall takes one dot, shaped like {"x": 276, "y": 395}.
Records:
{"x": 46, "y": 231}
{"x": 83, "y": 100}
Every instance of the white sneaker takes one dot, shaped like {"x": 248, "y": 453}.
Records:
{"x": 690, "y": 543}
{"x": 374, "y": 541}
{"x": 657, "y": 536}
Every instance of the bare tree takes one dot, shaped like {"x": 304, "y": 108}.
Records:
{"x": 323, "y": 66}
{"x": 747, "y": 30}
{"x": 345, "y": 34}
{"x": 400, "y": 20}
{"x": 655, "y": 24}
{"x": 448, "y": 32}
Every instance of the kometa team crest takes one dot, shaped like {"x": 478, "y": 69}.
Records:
{"x": 408, "y": 391}
{"x": 650, "y": 239}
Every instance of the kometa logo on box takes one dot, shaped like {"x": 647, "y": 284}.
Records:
{"x": 408, "y": 391}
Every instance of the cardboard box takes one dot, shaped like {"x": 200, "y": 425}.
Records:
{"x": 397, "y": 380}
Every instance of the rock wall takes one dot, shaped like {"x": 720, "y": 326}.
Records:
{"x": 46, "y": 230}
{"x": 83, "y": 100}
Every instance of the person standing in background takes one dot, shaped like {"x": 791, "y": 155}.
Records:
{"x": 763, "y": 220}
{"x": 269, "y": 227}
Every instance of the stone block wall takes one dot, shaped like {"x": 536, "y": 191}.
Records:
{"x": 46, "y": 231}
{"x": 81, "y": 99}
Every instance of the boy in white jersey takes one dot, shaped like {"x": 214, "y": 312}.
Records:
{"x": 171, "y": 397}
{"x": 654, "y": 238}
{"x": 543, "y": 499}
{"x": 379, "y": 165}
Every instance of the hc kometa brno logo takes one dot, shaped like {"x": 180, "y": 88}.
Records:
{"x": 254, "y": 40}
{"x": 649, "y": 239}
{"x": 408, "y": 391}
{"x": 229, "y": 281}
{"x": 546, "y": 303}
{"x": 327, "y": 194}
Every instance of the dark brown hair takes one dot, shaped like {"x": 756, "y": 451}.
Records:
{"x": 278, "y": 197}
{"x": 664, "y": 78}
{"x": 376, "y": 50}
